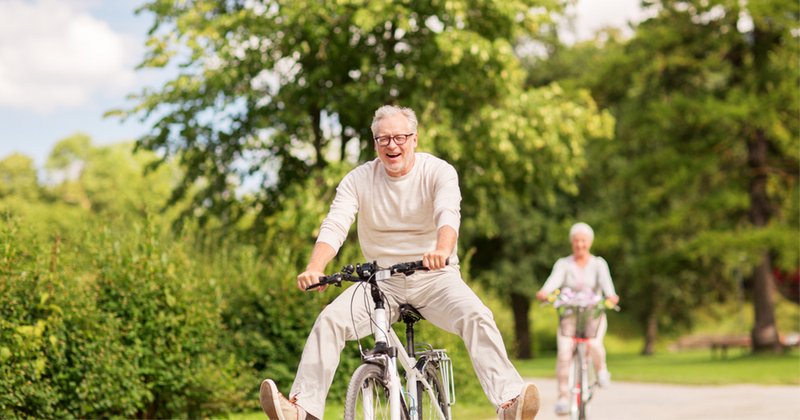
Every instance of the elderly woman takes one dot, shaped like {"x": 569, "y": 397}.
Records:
{"x": 579, "y": 271}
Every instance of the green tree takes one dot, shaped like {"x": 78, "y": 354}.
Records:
{"x": 272, "y": 90}
{"x": 517, "y": 165}
{"x": 18, "y": 178}
{"x": 110, "y": 180}
{"x": 706, "y": 155}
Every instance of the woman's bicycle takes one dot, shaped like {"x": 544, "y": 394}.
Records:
{"x": 375, "y": 390}
{"x": 579, "y": 316}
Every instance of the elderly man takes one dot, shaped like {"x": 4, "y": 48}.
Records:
{"x": 409, "y": 206}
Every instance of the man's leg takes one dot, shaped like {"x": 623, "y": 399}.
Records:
{"x": 447, "y": 302}
{"x": 322, "y": 351}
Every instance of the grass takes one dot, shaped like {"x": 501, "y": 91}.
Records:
{"x": 461, "y": 411}
{"x": 695, "y": 367}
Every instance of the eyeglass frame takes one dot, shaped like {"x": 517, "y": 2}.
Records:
{"x": 393, "y": 138}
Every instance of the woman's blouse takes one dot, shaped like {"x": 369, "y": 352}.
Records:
{"x": 567, "y": 273}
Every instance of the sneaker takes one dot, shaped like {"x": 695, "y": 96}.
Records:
{"x": 276, "y": 406}
{"x": 524, "y": 407}
{"x": 562, "y": 407}
{"x": 604, "y": 378}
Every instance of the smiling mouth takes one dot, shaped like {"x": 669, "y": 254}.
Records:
{"x": 392, "y": 156}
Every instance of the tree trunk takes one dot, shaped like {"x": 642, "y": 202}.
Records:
{"x": 764, "y": 334}
{"x": 319, "y": 141}
{"x": 521, "y": 306}
{"x": 650, "y": 335}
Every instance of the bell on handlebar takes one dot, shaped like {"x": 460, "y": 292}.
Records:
{"x": 349, "y": 269}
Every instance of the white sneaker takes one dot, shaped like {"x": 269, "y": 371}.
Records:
{"x": 276, "y": 406}
{"x": 562, "y": 407}
{"x": 524, "y": 406}
{"x": 604, "y": 378}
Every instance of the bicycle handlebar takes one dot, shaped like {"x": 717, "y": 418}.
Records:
{"x": 366, "y": 271}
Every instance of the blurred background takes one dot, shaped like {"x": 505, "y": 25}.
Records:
{"x": 165, "y": 166}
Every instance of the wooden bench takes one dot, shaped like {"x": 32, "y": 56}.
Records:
{"x": 717, "y": 343}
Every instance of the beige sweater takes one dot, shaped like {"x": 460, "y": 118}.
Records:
{"x": 398, "y": 217}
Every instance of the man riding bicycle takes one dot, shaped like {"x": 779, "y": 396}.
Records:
{"x": 408, "y": 205}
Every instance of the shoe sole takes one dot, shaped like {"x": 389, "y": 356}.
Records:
{"x": 268, "y": 396}
{"x": 530, "y": 402}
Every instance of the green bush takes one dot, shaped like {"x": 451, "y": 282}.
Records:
{"x": 114, "y": 328}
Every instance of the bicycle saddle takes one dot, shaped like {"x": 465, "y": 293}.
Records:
{"x": 410, "y": 314}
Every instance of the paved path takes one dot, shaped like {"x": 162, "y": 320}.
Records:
{"x": 639, "y": 401}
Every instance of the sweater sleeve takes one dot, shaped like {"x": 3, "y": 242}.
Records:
{"x": 447, "y": 201}
{"x": 604, "y": 277}
{"x": 557, "y": 277}
{"x": 336, "y": 225}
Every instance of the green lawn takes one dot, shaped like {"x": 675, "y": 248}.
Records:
{"x": 689, "y": 367}
{"x": 334, "y": 411}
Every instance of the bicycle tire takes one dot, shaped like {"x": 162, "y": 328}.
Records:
{"x": 424, "y": 403}
{"x": 584, "y": 382}
{"x": 577, "y": 384}
{"x": 368, "y": 395}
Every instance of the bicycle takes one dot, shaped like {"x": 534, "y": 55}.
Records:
{"x": 579, "y": 318}
{"x": 375, "y": 390}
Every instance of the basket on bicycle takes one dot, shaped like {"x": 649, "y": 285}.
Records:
{"x": 579, "y": 313}
{"x": 580, "y": 321}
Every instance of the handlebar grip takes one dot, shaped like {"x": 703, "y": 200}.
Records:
{"x": 420, "y": 264}
{"x": 323, "y": 281}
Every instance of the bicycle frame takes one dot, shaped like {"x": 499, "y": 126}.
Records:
{"x": 385, "y": 334}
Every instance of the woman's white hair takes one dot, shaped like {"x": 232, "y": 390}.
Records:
{"x": 581, "y": 228}
{"x": 391, "y": 110}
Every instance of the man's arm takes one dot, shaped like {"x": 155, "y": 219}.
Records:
{"x": 320, "y": 257}
{"x": 446, "y": 238}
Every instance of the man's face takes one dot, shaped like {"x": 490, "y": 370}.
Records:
{"x": 398, "y": 160}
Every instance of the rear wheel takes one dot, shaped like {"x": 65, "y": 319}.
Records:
{"x": 425, "y": 404}
{"x": 368, "y": 396}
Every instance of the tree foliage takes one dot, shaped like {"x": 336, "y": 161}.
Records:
{"x": 272, "y": 90}
{"x": 705, "y": 161}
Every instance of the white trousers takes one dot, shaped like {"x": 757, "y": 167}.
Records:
{"x": 596, "y": 351}
{"x": 442, "y": 298}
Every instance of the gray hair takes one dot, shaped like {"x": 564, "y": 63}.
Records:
{"x": 581, "y": 228}
{"x": 392, "y": 110}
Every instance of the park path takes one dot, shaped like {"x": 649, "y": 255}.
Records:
{"x": 645, "y": 401}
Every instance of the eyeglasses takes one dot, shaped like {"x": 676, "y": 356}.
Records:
{"x": 399, "y": 139}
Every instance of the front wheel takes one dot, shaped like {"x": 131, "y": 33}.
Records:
{"x": 368, "y": 395}
{"x": 426, "y": 406}
{"x": 578, "y": 384}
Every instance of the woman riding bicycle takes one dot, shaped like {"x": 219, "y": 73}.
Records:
{"x": 581, "y": 270}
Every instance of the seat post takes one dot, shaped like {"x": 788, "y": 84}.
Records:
{"x": 410, "y": 339}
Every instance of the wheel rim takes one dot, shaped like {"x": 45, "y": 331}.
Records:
{"x": 371, "y": 401}
{"x": 425, "y": 404}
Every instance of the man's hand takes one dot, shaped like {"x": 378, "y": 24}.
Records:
{"x": 309, "y": 277}
{"x": 435, "y": 260}
{"x": 320, "y": 257}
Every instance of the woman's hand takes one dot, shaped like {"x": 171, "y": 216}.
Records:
{"x": 541, "y": 295}
{"x": 613, "y": 299}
